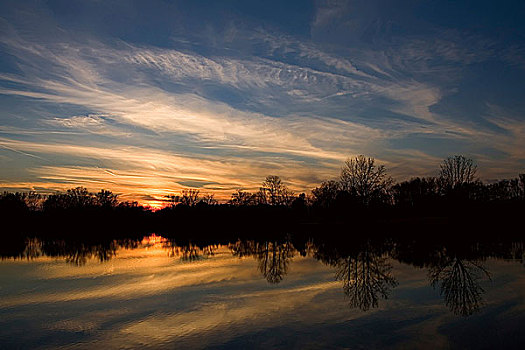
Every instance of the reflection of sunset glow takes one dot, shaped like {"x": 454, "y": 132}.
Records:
{"x": 145, "y": 295}
{"x": 153, "y": 241}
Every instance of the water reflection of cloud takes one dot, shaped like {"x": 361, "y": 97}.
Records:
{"x": 250, "y": 310}
{"x": 134, "y": 284}
{"x": 149, "y": 274}
{"x": 145, "y": 297}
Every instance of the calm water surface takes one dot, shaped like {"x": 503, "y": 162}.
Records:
{"x": 156, "y": 294}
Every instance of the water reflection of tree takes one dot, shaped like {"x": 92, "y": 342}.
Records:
{"x": 79, "y": 253}
{"x": 189, "y": 252}
{"x": 364, "y": 268}
{"x": 367, "y": 277}
{"x": 73, "y": 252}
{"x": 273, "y": 257}
{"x": 517, "y": 252}
{"x": 458, "y": 280}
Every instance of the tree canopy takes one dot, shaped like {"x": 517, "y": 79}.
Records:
{"x": 362, "y": 177}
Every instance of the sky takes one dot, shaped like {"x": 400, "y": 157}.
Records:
{"x": 146, "y": 98}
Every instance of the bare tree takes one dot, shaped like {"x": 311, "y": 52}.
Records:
{"x": 275, "y": 192}
{"x": 456, "y": 171}
{"x": 34, "y": 201}
{"x": 173, "y": 200}
{"x": 362, "y": 177}
{"x": 80, "y": 197}
{"x": 521, "y": 184}
{"x": 189, "y": 197}
{"x": 208, "y": 199}
{"x": 106, "y": 199}
{"x": 242, "y": 198}
{"x": 325, "y": 195}
{"x": 416, "y": 191}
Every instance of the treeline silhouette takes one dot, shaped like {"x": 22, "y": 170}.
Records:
{"x": 454, "y": 266}
{"x": 364, "y": 198}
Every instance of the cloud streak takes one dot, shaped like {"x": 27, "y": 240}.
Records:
{"x": 284, "y": 105}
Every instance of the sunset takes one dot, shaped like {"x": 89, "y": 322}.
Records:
{"x": 149, "y": 98}
{"x": 262, "y": 174}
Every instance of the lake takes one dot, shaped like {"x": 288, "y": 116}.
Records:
{"x": 157, "y": 293}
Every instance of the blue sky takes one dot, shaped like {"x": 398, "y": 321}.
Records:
{"x": 148, "y": 97}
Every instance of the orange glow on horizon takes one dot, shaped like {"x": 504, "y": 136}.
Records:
{"x": 156, "y": 197}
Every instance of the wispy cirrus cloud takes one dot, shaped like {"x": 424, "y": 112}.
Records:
{"x": 262, "y": 99}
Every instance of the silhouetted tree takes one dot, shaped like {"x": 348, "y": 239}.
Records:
{"x": 189, "y": 197}
{"x": 517, "y": 187}
{"x": 55, "y": 201}
{"x": 260, "y": 197}
{"x": 300, "y": 202}
{"x": 275, "y": 192}
{"x": 521, "y": 185}
{"x": 106, "y": 199}
{"x": 173, "y": 200}
{"x": 326, "y": 194}
{"x": 416, "y": 192}
{"x": 513, "y": 189}
{"x": 80, "y": 197}
{"x": 242, "y": 198}
{"x": 361, "y": 177}
{"x": 457, "y": 171}
{"x": 34, "y": 201}
{"x": 129, "y": 205}
{"x": 74, "y": 198}
{"x": 208, "y": 199}
{"x": 12, "y": 202}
